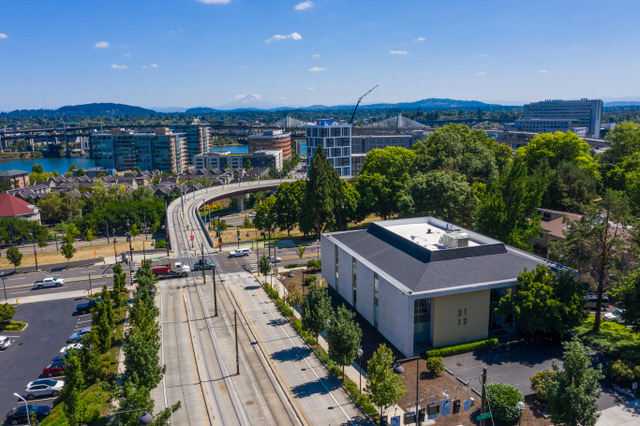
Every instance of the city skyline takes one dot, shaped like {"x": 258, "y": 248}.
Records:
{"x": 215, "y": 53}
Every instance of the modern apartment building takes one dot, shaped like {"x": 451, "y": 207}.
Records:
{"x": 269, "y": 140}
{"x": 554, "y": 115}
{"x": 362, "y": 144}
{"x": 220, "y": 159}
{"x": 198, "y": 137}
{"x": 335, "y": 138}
{"x": 122, "y": 149}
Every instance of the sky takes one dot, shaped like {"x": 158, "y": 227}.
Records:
{"x": 188, "y": 53}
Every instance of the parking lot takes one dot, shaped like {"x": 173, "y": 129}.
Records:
{"x": 50, "y": 324}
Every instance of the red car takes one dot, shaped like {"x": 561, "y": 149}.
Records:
{"x": 55, "y": 368}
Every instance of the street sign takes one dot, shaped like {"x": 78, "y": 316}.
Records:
{"x": 219, "y": 230}
{"x": 483, "y": 416}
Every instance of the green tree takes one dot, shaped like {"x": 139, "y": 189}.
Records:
{"x": 89, "y": 235}
{"x": 247, "y": 165}
{"x": 7, "y": 311}
{"x": 573, "y": 396}
{"x": 624, "y": 141}
{"x": 570, "y": 188}
{"x": 315, "y": 310}
{"x": 265, "y": 216}
{"x": 627, "y": 296}
{"x": 141, "y": 358}
{"x": 508, "y": 209}
{"x": 384, "y": 387}
{"x": 382, "y": 178}
{"x": 264, "y": 266}
{"x": 134, "y": 230}
{"x": 625, "y": 176}
{"x": 300, "y": 251}
{"x": 287, "y": 205}
{"x": 545, "y": 301}
{"x": 343, "y": 337}
{"x": 73, "y": 384}
{"x": 294, "y": 293}
{"x": 595, "y": 245}
{"x": 503, "y": 401}
{"x": 322, "y": 192}
{"x": 68, "y": 250}
{"x": 444, "y": 194}
{"x": 37, "y": 168}
{"x": 14, "y": 256}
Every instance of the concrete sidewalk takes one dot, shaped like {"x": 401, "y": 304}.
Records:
{"x": 621, "y": 415}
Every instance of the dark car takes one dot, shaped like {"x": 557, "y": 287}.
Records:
{"x": 18, "y": 415}
{"x": 591, "y": 300}
{"x": 85, "y": 308}
{"x": 55, "y": 368}
{"x": 199, "y": 265}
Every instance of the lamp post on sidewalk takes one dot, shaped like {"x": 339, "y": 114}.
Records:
{"x": 398, "y": 369}
{"x": 115, "y": 254}
{"x": 35, "y": 253}
{"x": 360, "y": 353}
{"x": 3, "y": 287}
{"x": 129, "y": 237}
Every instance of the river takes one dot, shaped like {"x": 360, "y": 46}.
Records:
{"x": 61, "y": 165}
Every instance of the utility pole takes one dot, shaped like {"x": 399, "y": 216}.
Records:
{"x": 484, "y": 394}
{"x": 204, "y": 280}
{"x": 90, "y": 288}
{"x": 235, "y": 320}
{"x": 105, "y": 221}
{"x": 215, "y": 293}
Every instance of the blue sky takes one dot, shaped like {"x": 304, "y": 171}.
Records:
{"x": 188, "y": 53}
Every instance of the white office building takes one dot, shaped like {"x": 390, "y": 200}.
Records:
{"x": 553, "y": 115}
{"x": 335, "y": 138}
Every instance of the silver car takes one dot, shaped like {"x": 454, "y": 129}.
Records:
{"x": 77, "y": 336}
{"x": 45, "y": 387}
{"x": 4, "y": 342}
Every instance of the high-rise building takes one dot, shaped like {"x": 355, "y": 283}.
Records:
{"x": 335, "y": 138}
{"x": 198, "y": 136}
{"x": 271, "y": 139}
{"x": 554, "y": 115}
{"x": 125, "y": 150}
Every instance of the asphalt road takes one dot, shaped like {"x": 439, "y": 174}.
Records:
{"x": 50, "y": 324}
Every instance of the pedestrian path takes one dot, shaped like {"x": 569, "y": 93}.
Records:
{"x": 621, "y": 415}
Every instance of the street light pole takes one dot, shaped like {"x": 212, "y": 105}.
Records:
{"x": 215, "y": 293}
{"x": 235, "y": 320}
{"x": 26, "y": 406}
{"x": 144, "y": 215}
{"x": 3, "y": 287}
{"x": 115, "y": 254}
{"x": 360, "y": 352}
{"x": 130, "y": 237}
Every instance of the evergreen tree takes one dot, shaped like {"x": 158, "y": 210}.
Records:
{"x": 343, "y": 337}
{"x": 73, "y": 385}
{"x": 315, "y": 310}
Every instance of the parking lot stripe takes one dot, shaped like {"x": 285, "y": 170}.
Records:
{"x": 80, "y": 322}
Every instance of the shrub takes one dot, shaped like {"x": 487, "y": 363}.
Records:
{"x": 459, "y": 349}
{"x": 270, "y": 291}
{"x": 293, "y": 265}
{"x": 636, "y": 372}
{"x": 435, "y": 365}
{"x": 7, "y": 311}
{"x": 619, "y": 372}
{"x": 615, "y": 339}
{"x": 311, "y": 279}
{"x": 161, "y": 243}
{"x": 503, "y": 400}
{"x": 314, "y": 264}
{"x": 284, "y": 307}
{"x": 541, "y": 381}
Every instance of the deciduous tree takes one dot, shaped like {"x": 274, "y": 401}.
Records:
{"x": 627, "y": 295}
{"x": 264, "y": 266}
{"x": 343, "y": 337}
{"x": 315, "y": 310}
{"x": 14, "y": 256}
{"x": 384, "y": 387}
{"x": 288, "y": 202}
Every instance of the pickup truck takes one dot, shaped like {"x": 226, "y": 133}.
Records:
{"x": 199, "y": 265}
{"x": 177, "y": 269}
{"x": 49, "y": 282}
{"x": 85, "y": 308}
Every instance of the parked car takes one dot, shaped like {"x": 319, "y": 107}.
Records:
{"x": 615, "y": 316}
{"x": 42, "y": 381}
{"x": 77, "y": 336}
{"x": 199, "y": 265}
{"x": 19, "y": 414}
{"x": 591, "y": 300}
{"x": 275, "y": 259}
{"x": 85, "y": 308}
{"x": 49, "y": 282}
{"x": 76, "y": 346}
{"x": 240, "y": 252}
{"x": 4, "y": 342}
{"x": 55, "y": 368}
{"x": 52, "y": 388}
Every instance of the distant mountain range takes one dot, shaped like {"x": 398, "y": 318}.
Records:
{"x": 111, "y": 109}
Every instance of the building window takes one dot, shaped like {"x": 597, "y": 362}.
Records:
{"x": 421, "y": 322}
{"x": 375, "y": 299}
{"x": 353, "y": 283}
{"x": 336, "y": 250}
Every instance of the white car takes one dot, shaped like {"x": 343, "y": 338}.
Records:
{"x": 275, "y": 259}
{"x": 76, "y": 346}
{"x": 45, "y": 387}
{"x": 77, "y": 336}
{"x": 4, "y": 342}
{"x": 49, "y": 282}
{"x": 615, "y": 316}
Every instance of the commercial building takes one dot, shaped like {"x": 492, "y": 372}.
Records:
{"x": 125, "y": 150}
{"x": 363, "y": 144}
{"x": 198, "y": 137}
{"x": 335, "y": 138}
{"x": 18, "y": 178}
{"x": 423, "y": 282}
{"x": 222, "y": 159}
{"x": 270, "y": 140}
{"x": 562, "y": 115}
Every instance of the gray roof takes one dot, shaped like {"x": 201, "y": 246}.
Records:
{"x": 14, "y": 172}
{"x": 422, "y": 270}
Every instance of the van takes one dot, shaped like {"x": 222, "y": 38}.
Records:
{"x": 591, "y": 300}
{"x": 240, "y": 252}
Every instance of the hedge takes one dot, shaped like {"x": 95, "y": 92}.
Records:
{"x": 270, "y": 291}
{"x": 297, "y": 324}
{"x": 12, "y": 326}
{"x": 459, "y": 349}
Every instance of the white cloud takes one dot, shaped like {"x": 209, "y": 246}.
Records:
{"x": 248, "y": 98}
{"x": 215, "y": 1}
{"x": 399, "y": 52}
{"x": 419, "y": 39}
{"x": 543, "y": 71}
{"x": 311, "y": 88}
{"x": 3, "y": 36}
{"x": 150, "y": 66}
{"x": 278, "y": 37}
{"x": 119, "y": 67}
{"x": 282, "y": 98}
{"x": 179, "y": 30}
{"x": 482, "y": 55}
{"x": 242, "y": 67}
{"x": 304, "y": 5}
{"x": 480, "y": 73}
{"x": 126, "y": 55}
{"x": 102, "y": 44}
{"x": 315, "y": 56}
{"x": 317, "y": 69}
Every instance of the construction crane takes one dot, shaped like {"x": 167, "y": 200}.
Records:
{"x": 359, "y": 100}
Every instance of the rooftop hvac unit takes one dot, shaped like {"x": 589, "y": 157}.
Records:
{"x": 455, "y": 240}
